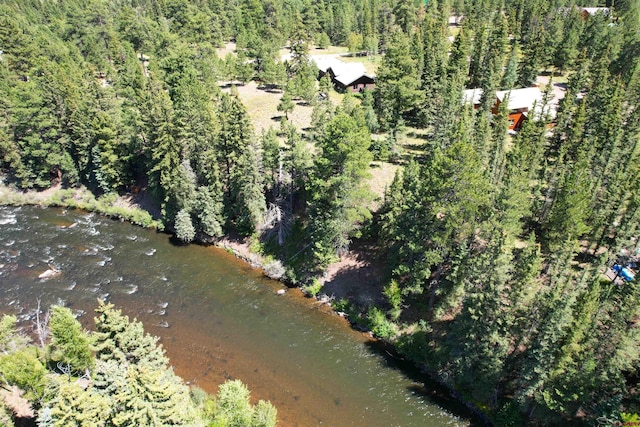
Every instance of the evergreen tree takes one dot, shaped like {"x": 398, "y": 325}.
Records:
{"x": 69, "y": 404}
{"x": 184, "y": 226}
{"x": 434, "y": 60}
{"x": 432, "y": 209}
{"x": 336, "y": 187}
{"x": 118, "y": 339}
{"x": 397, "y": 86}
{"x": 70, "y": 345}
{"x": 286, "y": 105}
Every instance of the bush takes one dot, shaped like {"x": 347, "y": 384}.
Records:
{"x": 380, "y": 325}
{"x": 394, "y": 295}
{"x": 312, "y": 289}
{"x": 70, "y": 344}
{"x": 509, "y": 415}
{"x": 274, "y": 269}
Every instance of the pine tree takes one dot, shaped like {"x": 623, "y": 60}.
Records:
{"x": 248, "y": 184}
{"x": 532, "y": 57}
{"x": 286, "y": 105}
{"x": 120, "y": 340}
{"x": 434, "y": 61}
{"x": 70, "y": 345}
{"x": 68, "y": 403}
{"x": 397, "y": 87}
{"x": 338, "y": 195}
{"x": 184, "y": 226}
{"x": 433, "y": 209}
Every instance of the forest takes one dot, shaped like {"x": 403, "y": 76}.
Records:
{"x": 497, "y": 245}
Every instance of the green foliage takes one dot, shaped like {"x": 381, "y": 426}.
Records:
{"x": 397, "y": 86}
{"x": 120, "y": 340}
{"x": 336, "y": 187}
{"x": 70, "y": 345}
{"x": 313, "y": 288}
{"x": 10, "y": 339}
{"x": 24, "y": 369}
{"x": 184, "y": 227}
{"x": 68, "y": 404}
{"x": 286, "y": 105}
{"x": 380, "y": 325}
{"x": 264, "y": 415}
{"x": 393, "y": 293}
{"x": 233, "y": 409}
{"x": 323, "y": 41}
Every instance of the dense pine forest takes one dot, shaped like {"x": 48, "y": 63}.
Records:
{"x": 498, "y": 245}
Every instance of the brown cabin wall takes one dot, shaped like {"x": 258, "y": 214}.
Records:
{"x": 360, "y": 87}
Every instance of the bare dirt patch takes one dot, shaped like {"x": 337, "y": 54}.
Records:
{"x": 229, "y": 47}
{"x": 357, "y": 276}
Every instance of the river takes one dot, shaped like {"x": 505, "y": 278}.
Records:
{"x": 217, "y": 318}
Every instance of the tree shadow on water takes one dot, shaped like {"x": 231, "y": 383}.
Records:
{"x": 427, "y": 387}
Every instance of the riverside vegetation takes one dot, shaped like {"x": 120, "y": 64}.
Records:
{"x": 494, "y": 244}
{"x": 116, "y": 375}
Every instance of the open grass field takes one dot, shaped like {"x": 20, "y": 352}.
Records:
{"x": 229, "y": 47}
{"x": 262, "y": 106}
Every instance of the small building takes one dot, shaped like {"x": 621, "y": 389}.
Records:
{"x": 472, "y": 96}
{"x": 350, "y": 76}
{"x": 521, "y": 103}
{"x": 586, "y": 12}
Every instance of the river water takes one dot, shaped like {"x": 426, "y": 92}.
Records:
{"x": 217, "y": 318}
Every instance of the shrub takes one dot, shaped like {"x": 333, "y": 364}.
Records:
{"x": 312, "y": 289}
{"x": 274, "y": 269}
{"x": 394, "y": 295}
{"x": 380, "y": 325}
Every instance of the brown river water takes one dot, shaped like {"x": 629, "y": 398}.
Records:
{"x": 217, "y": 318}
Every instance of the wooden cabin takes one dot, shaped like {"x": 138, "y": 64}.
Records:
{"x": 345, "y": 76}
{"x": 521, "y": 103}
{"x": 586, "y": 12}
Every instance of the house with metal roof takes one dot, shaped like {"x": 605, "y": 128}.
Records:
{"x": 350, "y": 76}
{"x": 521, "y": 103}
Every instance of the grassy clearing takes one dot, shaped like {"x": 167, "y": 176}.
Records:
{"x": 371, "y": 63}
{"x": 262, "y": 106}
{"x": 413, "y": 140}
{"x": 382, "y": 174}
{"x": 331, "y": 50}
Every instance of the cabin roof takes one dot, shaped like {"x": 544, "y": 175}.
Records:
{"x": 344, "y": 73}
{"x": 521, "y": 98}
{"x": 594, "y": 10}
{"x": 324, "y": 62}
{"x": 472, "y": 96}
